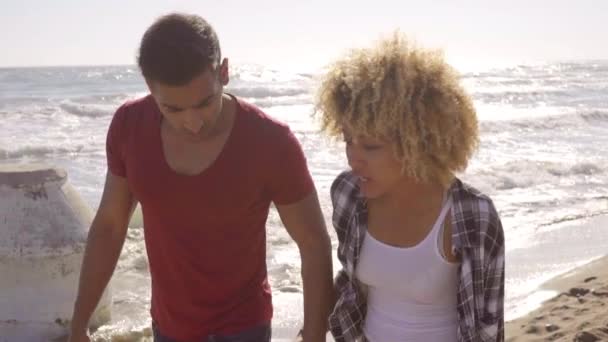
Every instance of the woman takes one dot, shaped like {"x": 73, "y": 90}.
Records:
{"x": 422, "y": 252}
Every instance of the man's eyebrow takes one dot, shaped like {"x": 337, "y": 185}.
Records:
{"x": 201, "y": 103}
{"x": 205, "y": 100}
{"x": 175, "y": 108}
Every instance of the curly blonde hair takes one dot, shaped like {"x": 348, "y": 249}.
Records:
{"x": 406, "y": 94}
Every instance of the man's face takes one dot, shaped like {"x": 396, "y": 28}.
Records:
{"x": 193, "y": 109}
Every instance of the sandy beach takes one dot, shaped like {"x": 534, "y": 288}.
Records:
{"x": 578, "y": 312}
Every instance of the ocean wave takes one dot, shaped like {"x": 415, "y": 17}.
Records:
{"x": 29, "y": 111}
{"x": 586, "y": 169}
{"x": 595, "y": 116}
{"x": 259, "y": 73}
{"x": 526, "y": 97}
{"x": 528, "y": 173}
{"x": 575, "y": 79}
{"x": 573, "y": 217}
{"x": 61, "y": 75}
{"x": 87, "y": 110}
{"x": 16, "y": 101}
{"x": 266, "y": 92}
{"x": 114, "y": 99}
{"x": 280, "y": 101}
{"x": 40, "y": 151}
{"x": 546, "y": 122}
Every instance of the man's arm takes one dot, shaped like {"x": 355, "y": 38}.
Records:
{"x": 104, "y": 243}
{"x": 305, "y": 224}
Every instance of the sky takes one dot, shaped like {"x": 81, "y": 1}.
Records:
{"x": 308, "y": 34}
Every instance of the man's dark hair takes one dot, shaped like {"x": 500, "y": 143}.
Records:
{"x": 177, "y": 48}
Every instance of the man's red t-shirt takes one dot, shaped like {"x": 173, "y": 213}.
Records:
{"x": 205, "y": 234}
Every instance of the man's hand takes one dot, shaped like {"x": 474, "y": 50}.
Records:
{"x": 299, "y": 337}
{"x": 79, "y": 337}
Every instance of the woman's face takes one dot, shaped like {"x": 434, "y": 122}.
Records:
{"x": 374, "y": 161}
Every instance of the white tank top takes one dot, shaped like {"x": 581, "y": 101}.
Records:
{"x": 411, "y": 291}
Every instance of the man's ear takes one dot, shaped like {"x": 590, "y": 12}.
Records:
{"x": 224, "y": 74}
{"x": 150, "y": 84}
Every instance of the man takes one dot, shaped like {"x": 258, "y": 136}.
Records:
{"x": 205, "y": 167}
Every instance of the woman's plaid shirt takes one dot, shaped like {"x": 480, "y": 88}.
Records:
{"x": 478, "y": 242}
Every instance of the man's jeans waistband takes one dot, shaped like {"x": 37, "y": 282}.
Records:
{"x": 258, "y": 334}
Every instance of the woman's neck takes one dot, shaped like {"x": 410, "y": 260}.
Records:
{"x": 411, "y": 197}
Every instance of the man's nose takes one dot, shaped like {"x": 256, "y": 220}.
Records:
{"x": 194, "y": 121}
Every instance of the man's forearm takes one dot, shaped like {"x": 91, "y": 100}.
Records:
{"x": 101, "y": 255}
{"x": 318, "y": 290}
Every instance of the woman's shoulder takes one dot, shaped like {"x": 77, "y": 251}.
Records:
{"x": 345, "y": 184}
{"x": 467, "y": 197}
{"x": 345, "y": 195}
{"x": 475, "y": 214}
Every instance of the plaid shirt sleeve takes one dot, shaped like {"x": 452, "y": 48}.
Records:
{"x": 479, "y": 239}
{"x": 343, "y": 206}
{"x": 349, "y": 310}
{"x": 491, "y": 325}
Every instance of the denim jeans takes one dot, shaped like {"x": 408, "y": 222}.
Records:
{"x": 258, "y": 334}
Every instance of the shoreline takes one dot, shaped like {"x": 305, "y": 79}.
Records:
{"x": 577, "y": 312}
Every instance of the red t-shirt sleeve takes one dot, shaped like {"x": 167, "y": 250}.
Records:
{"x": 290, "y": 179}
{"x": 115, "y": 141}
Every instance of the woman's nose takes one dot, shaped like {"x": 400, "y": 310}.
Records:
{"x": 353, "y": 155}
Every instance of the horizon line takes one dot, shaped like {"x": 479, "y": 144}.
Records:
{"x": 88, "y": 65}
